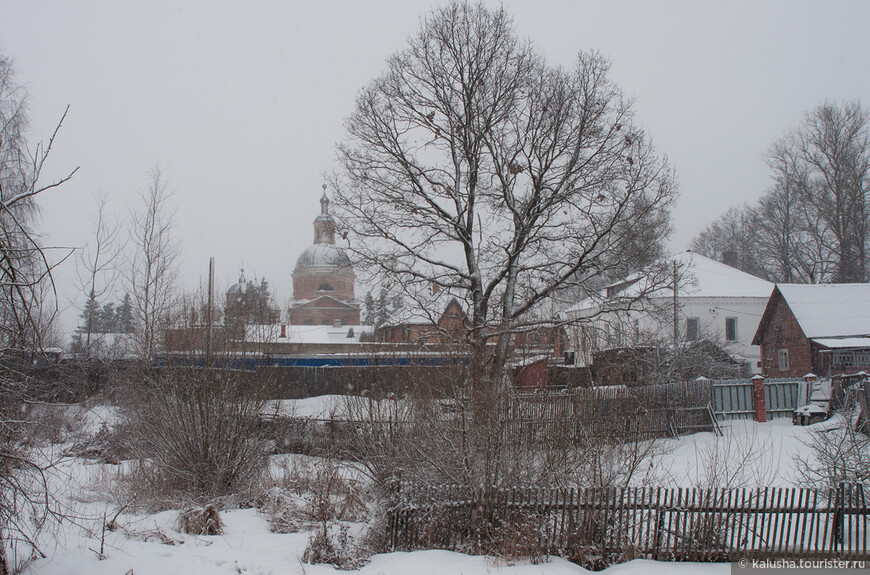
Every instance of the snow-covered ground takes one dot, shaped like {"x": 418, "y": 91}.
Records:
{"x": 248, "y": 547}
{"x": 754, "y": 454}
{"x": 747, "y": 454}
{"x": 329, "y": 407}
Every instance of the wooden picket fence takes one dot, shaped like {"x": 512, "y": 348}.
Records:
{"x": 597, "y": 527}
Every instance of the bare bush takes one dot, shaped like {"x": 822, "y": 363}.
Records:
{"x": 108, "y": 445}
{"x": 423, "y": 440}
{"x": 837, "y": 452}
{"x": 333, "y": 544}
{"x": 196, "y": 434}
{"x": 318, "y": 496}
{"x": 521, "y": 539}
{"x": 735, "y": 460}
{"x": 311, "y": 495}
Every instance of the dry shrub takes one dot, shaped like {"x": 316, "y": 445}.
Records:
{"x": 520, "y": 539}
{"x": 837, "y": 452}
{"x": 479, "y": 449}
{"x": 283, "y": 511}
{"x": 54, "y": 423}
{"x": 332, "y": 544}
{"x": 200, "y": 521}
{"x": 629, "y": 553}
{"x": 196, "y": 435}
{"x": 311, "y": 494}
{"x": 109, "y": 445}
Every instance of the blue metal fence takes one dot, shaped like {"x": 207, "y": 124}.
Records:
{"x": 732, "y": 398}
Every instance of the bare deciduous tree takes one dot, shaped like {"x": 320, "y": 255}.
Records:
{"x": 831, "y": 172}
{"x": 153, "y": 272}
{"x": 473, "y": 166}
{"x": 97, "y": 268}
{"x": 729, "y": 239}
{"x": 812, "y": 224}
{"x": 25, "y": 308}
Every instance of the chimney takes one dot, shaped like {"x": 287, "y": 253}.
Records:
{"x": 729, "y": 258}
{"x": 283, "y": 330}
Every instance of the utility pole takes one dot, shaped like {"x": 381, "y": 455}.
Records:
{"x": 676, "y": 318}
{"x": 676, "y": 309}
{"x": 208, "y": 322}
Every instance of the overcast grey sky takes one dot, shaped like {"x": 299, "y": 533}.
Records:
{"x": 241, "y": 103}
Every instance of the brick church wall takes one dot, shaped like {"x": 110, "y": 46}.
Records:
{"x": 307, "y": 286}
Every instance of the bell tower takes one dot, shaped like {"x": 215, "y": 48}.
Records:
{"x": 324, "y": 225}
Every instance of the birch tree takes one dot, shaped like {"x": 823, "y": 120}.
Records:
{"x": 97, "y": 269}
{"x": 153, "y": 273}
{"x": 27, "y": 302}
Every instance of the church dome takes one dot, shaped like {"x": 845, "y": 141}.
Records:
{"x": 241, "y": 286}
{"x": 323, "y": 257}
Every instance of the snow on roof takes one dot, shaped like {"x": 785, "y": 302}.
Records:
{"x": 323, "y": 256}
{"x": 829, "y": 310}
{"x": 702, "y": 278}
{"x": 306, "y": 333}
{"x": 715, "y": 279}
{"x": 843, "y": 342}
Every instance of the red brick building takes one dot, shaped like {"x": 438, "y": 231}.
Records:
{"x": 452, "y": 327}
{"x": 323, "y": 279}
{"x": 448, "y": 328}
{"x": 817, "y": 328}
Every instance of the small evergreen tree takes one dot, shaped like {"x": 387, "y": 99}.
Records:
{"x": 125, "y": 315}
{"x": 382, "y": 309}
{"x": 398, "y": 303}
{"x": 369, "y": 310}
{"x": 108, "y": 319}
{"x": 90, "y": 316}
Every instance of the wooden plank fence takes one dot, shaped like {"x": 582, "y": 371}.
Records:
{"x": 647, "y": 412}
{"x": 618, "y": 412}
{"x": 598, "y": 527}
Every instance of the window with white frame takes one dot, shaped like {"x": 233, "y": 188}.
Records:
{"x": 730, "y": 329}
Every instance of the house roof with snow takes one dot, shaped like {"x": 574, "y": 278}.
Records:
{"x": 824, "y": 310}
{"x": 715, "y": 279}
{"x": 698, "y": 277}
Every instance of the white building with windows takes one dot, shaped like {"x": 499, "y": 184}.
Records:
{"x": 711, "y": 301}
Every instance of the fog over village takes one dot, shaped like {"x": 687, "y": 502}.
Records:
{"x": 434, "y": 287}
